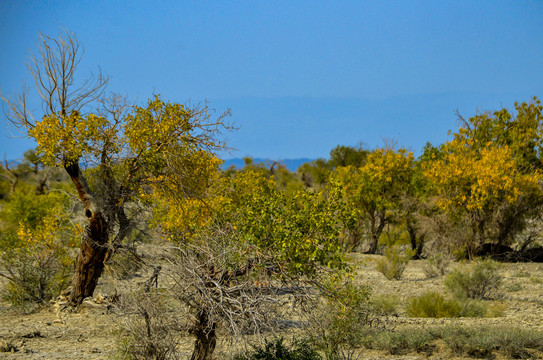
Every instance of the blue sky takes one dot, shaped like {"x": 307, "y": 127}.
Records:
{"x": 299, "y": 76}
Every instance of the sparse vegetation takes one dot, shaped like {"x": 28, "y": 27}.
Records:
{"x": 385, "y": 304}
{"x": 478, "y": 280}
{"x": 434, "y": 305}
{"x": 278, "y": 350}
{"x": 473, "y": 342}
{"x": 394, "y": 262}
{"x": 436, "y": 265}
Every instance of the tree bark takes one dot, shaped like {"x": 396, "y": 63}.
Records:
{"x": 206, "y": 337}
{"x": 376, "y": 230}
{"x": 93, "y": 249}
{"x": 90, "y": 260}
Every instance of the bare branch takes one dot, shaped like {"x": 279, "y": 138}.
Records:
{"x": 53, "y": 69}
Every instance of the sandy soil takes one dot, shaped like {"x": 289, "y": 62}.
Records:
{"x": 88, "y": 333}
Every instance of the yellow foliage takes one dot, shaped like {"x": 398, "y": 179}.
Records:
{"x": 478, "y": 180}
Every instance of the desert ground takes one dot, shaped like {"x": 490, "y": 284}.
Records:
{"x": 52, "y": 332}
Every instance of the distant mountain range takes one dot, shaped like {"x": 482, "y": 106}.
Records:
{"x": 291, "y": 164}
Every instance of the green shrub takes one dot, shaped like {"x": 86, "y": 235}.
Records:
{"x": 385, "y": 304}
{"x": 277, "y": 350}
{"x": 394, "y": 262}
{"x": 513, "y": 287}
{"x": 462, "y": 341}
{"x": 434, "y": 305}
{"x": 35, "y": 248}
{"x": 436, "y": 265}
{"x": 481, "y": 341}
{"x": 478, "y": 280}
{"x": 340, "y": 318}
{"x": 400, "y": 341}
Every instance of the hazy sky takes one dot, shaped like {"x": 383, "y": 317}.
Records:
{"x": 299, "y": 76}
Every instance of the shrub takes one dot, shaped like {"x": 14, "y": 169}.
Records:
{"x": 277, "y": 350}
{"x": 394, "y": 263}
{"x": 148, "y": 327}
{"x": 462, "y": 341}
{"x": 436, "y": 265}
{"x": 513, "y": 287}
{"x": 340, "y": 319}
{"x": 385, "y": 304}
{"x": 35, "y": 252}
{"x": 481, "y": 341}
{"x": 398, "y": 342}
{"x": 434, "y": 305}
{"x": 478, "y": 280}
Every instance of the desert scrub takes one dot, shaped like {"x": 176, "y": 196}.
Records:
{"x": 149, "y": 327}
{"x": 35, "y": 252}
{"x": 277, "y": 350}
{"x": 340, "y": 318}
{"x": 385, "y": 304}
{"x": 399, "y": 341}
{"x": 434, "y": 305}
{"x": 436, "y": 265}
{"x": 513, "y": 287}
{"x": 394, "y": 262}
{"x": 474, "y": 341}
{"x": 482, "y": 341}
{"x": 478, "y": 280}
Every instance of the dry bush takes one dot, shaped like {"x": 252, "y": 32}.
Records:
{"x": 211, "y": 288}
{"x": 478, "y": 280}
{"x": 150, "y": 327}
{"x": 339, "y": 319}
{"x": 394, "y": 263}
{"x": 436, "y": 265}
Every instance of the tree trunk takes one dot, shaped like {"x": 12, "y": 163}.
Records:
{"x": 206, "y": 337}
{"x": 93, "y": 249}
{"x": 373, "y": 244}
{"x": 376, "y": 230}
{"x": 90, "y": 260}
{"x": 416, "y": 244}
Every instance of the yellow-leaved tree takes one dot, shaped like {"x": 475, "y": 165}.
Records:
{"x": 114, "y": 153}
{"x": 375, "y": 189}
{"x": 489, "y": 174}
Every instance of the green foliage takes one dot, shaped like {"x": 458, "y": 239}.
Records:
{"x": 394, "y": 262}
{"x": 478, "y": 341}
{"x": 385, "y": 304}
{"x": 315, "y": 173}
{"x": 478, "y": 280}
{"x": 277, "y": 350}
{"x": 35, "y": 251}
{"x": 399, "y": 342}
{"x": 26, "y": 209}
{"x": 342, "y": 156}
{"x": 481, "y": 341}
{"x": 434, "y": 305}
{"x": 341, "y": 318}
{"x": 300, "y": 231}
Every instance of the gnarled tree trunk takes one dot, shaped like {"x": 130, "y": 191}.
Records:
{"x": 206, "y": 337}
{"x": 90, "y": 260}
{"x": 93, "y": 249}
